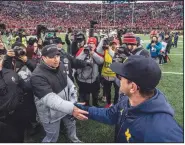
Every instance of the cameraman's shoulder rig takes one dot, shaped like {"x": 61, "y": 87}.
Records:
{"x": 106, "y": 71}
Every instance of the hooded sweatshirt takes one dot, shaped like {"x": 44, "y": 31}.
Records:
{"x": 150, "y": 121}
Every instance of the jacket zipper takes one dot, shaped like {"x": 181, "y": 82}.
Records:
{"x": 125, "y": 116}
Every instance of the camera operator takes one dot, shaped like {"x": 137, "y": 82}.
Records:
{"x": 108, "y": 77}
{"x": 69, "y": 61}
{"x": 32, "y": 50}
{"x": 17, "y": 60}
{"x": 154, "y": 46}
{"x": 88, "y": 77}
{"x": 12, "y": 92}
{"x": 69, "y": 41}
{"x": 133, "y": 45}
{"x": 78, "y": 43}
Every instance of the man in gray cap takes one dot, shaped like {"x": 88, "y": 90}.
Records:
{"x": 143, "y": 114}
{"x": 55, "y": 94}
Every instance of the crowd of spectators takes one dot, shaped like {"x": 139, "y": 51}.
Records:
{"x": 146, "y": 16}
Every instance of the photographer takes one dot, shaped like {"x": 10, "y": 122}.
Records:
{"x": 69, "y": 41}
{"x": 78, "y": 43}
{"x": 12, "y": 92}
{"x": 17, "y": 60}
{"x": 32, "y": 50}
{"x": 108, "y": 76}
{"x": 87, "y": 78}
{"x": 154, "y": 47}
{"x": 69, "y": 61}
{"x": 133, "y": 45}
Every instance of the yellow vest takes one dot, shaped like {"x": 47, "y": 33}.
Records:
{"x": 106, "y": 71}
{"x": 24, "y": 41}
{"x": 12, "y": 41}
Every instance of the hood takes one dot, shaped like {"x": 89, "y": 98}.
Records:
{"x": 157, "y": 104}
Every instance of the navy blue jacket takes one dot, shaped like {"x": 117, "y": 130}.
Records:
{"x": 151, "y": 121}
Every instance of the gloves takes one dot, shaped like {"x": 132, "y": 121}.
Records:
{"x": 85, "y": 108}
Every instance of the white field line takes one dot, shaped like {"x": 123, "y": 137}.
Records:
{"x": 175, "y": 73}
{"x": 175, "y": 54}
{"x": 146, "y": 41}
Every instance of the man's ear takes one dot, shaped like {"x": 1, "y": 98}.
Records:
{"x": 133, "y": 88}
{"x": 44, "y": 58}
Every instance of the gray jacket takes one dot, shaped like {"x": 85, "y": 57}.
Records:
{"x": 54, "y": 93}
{"x": 89, "y": 74}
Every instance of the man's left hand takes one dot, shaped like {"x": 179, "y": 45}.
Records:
{"x": 23, "y": 58}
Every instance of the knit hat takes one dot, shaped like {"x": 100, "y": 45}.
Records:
{"x": 129, "y": 38}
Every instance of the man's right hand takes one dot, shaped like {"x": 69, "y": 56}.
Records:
{"x": 79, "y": 114}
{"x": 11, "y": 53}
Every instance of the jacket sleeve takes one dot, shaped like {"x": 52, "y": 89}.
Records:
{"x": 77, "y": 63}
{"x": 99, "y": 48}
{"x": 43, "y": 91}
{"x": 3, "y": 86}
{"x": 158, "y": 46}
{"x": 97, "y": 58}
{"x": 25, "y": 85}
{"x": 103, "y": 115}
{"x": 7, "y": 63}
{"x": 31, "y": 65}
{"x": 67, "y": 39}
{"x": 148, "y": 46}
{"x": 73, "y": 48}
{"x": 72, "y": 90}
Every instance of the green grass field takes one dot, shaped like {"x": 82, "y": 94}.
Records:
{"x": 171, "y": 85}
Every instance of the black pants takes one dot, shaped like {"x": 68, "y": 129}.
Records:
{"x": 107, "y": 86}
{"x": 175, "y": 43}
{"x": 85, "y": 89}
{"x": 8, "y": 134}
{"x": 29, "y": 108}
{"x": 16, "y": 123}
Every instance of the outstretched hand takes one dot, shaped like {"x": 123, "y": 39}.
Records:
{"x": 79, "y": 114}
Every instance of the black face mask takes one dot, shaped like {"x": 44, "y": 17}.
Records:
{"x": 2, "y": 51}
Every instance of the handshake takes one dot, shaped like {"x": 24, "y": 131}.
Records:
{"x": 78, "y": 113}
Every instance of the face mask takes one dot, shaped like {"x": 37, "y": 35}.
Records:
{"x": 111, "y": 52}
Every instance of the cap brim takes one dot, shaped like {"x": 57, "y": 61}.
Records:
{"x": 117, "y": 68}
{"x": 51, "y": 55}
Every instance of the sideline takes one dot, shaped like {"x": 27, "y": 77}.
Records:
{"x": 175, "y": 73}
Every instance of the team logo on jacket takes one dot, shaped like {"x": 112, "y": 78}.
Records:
{"x": 13, "y": 79}
{"x": 127, "y": 135}
{"x": 125, "y": 59}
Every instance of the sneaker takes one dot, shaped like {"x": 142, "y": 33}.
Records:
{"x": 108, "y": 106}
